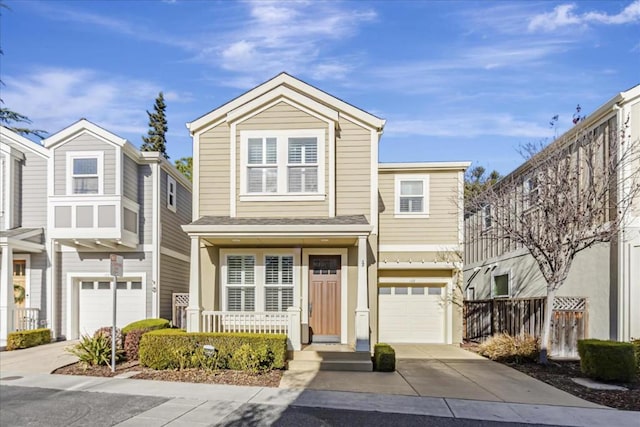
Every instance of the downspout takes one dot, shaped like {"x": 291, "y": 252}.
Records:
{"x": 155, "y": 239}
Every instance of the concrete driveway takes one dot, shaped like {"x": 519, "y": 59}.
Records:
{"x": 449, "y": 371}
{"x": 42, "y": 359}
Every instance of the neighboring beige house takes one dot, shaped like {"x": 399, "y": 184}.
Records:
{"x": 607, "y": 275}
{"x": 297, "y": 228}
{"x": 67, "y": 205}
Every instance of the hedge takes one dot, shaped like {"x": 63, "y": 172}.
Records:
{"x": 148, "y": 324}
{"x": 607, "y": 360}
{"x": 384, "y": 358}
{"x": 26, "y": 339}
{"x": 176, "y": 349}
{"x": 636, "y": 349}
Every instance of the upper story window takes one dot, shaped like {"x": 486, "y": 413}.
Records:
{"x": 286, "y": 163}
{"x": 412, "y": 196}
{"x": 487, "y": 219}
{"x": 501, "y": 284}
{"x": 172, "y": 203}
{"x": 84, "y": 173}
{"x": 530, "y": 193}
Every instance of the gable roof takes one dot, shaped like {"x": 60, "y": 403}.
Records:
{"x": 80, "y": 127}
{"x": 12, "y": 138}
{"x": 287, "y": 81}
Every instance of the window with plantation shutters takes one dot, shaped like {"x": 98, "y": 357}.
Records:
{"x": 241, "y": 278}
{"x": 278, "y": 277}
{"x": 303, "y": 165}
{"x": 262, "y": 165}
{"x": 412, "y": 196}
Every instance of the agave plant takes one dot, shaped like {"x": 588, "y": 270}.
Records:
{"x": 96, "y": 350}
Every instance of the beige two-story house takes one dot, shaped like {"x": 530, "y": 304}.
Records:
{"x": 298, "y": 229}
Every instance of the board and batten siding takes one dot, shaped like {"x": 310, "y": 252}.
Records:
{"x": 214, "y": 171}
{"x": 282, "y": 116}
{"x": 84, "y": 142}
{"x": 98, "y": 262}
{"x": 129, "y": 178}
{"x": 34, "y": 191}
{"x": 353, "y": 170}
{"x": 172, "y": 236}
{"x": 441, "y": 227}
{"x": 174, "y": 278}
{"x": 145, "y": 200}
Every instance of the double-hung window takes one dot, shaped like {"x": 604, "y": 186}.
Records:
{"x": 282, "y": 163}
{"x": 303, "y": 165}
{"x": 412, "y": 196}
{"x": 262, "y": 165}
{"x": 84, "y": 172}
{"x": 278, "y": 282}
{"x": 171, "y": 194}
{"x": 530, "y": 193}
{"x": 241, "y": 283}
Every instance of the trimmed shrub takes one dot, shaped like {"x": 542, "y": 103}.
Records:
{"x": 636, "y": 350}
{"x": 607, "y": 360}
{"x": 106, "y": 332}
{"x": 148, "y": 324}
{"x": 26, "y": 339}
{"x": 384, "y": 358}
{"x": 176, "y": 349}
{"x": 507, "y": 348}
{"x": 95, "y": 350}
{"x": 132, "y": 343}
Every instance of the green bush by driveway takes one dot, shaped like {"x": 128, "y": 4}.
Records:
{"x": 148, "y": 324}
{"x": 26, "y": 339}
{"x": 607, "y": 360}
{"x": 384, "y": 358}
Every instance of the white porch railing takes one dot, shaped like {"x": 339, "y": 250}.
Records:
{"x": 244, "y": 321}
{"x": 26, "y": 319}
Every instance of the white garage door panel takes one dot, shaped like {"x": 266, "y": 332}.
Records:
{"x": 411, "y": 318}
{"x": 96, "y": 308}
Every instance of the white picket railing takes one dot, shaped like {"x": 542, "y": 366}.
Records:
{"x": 243, "y": 321}
{"x": 26, "y": 319}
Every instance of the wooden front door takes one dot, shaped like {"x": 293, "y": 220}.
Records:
{"x": 324, "y": 298}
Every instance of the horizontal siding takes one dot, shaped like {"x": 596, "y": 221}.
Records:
{"x": 3, "y": 171}
{"x": 172, "y": 235}
{"x": 96, "y": 262}
{"x": 282, "y": 116}
{"x": 174, "y": 277}
{"x": 353, "y": 170}
{"x": 441, "y": 227}
{"x": 84, "y": 142}
{"x": 416, "y": 257}
{"x": 214, "y": 171}
{"x": 34, "y": 191}
{"x": 130, "y": 180}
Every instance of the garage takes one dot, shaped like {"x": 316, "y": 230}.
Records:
{"x": 95, "y": 304}
{"x": 412, "y": 314}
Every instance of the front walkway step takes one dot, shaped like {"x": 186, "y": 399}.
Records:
{"x": 330, "y": 361}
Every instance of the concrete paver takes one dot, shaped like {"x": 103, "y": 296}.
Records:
{"x": 42, "y": 359}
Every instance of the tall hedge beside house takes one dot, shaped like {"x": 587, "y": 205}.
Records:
{"x": 607, "y": 360}
{"x": 176, "y": 349}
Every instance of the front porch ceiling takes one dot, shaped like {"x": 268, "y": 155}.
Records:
{"x": 283, "y": 241}
{"x": 97, "y": 244}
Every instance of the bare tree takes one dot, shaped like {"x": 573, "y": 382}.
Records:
{"x": 569, "y": 196}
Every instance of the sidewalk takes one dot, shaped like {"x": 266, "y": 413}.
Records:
{"x": 205, "y": 404}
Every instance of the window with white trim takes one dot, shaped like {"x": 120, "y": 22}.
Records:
{"x": 241, "y": 283}
{"x": 85, "y": 172}
{"x": 487, "y": 219}
{"x": 282, "y": 163}
{"x": 278, "y": 282}
{"x": 530, "y": 192}
{"x": 412, "y": 196}
{"x": 172, "y": 203}
{"x": 501, "y": 284}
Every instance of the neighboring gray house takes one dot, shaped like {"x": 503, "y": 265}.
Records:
{"x": 102, "y": 196}
{"x": 608, "y": 274}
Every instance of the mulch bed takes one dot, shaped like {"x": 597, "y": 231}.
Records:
{"x": 559, "y": 373}
{"x": 268, "y": 379}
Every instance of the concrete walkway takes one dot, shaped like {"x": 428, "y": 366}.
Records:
{"x": 42, "y": 359}
{"x": 207, "y": 404}
{"x": 445, "y": 371}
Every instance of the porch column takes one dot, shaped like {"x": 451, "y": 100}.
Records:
{"x": 6, "y": 292}
{"x": 362, "y": 305}
{"x": 194, "y": 310}
{"x": 294, "y": 341}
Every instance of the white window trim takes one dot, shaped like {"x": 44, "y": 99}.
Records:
{"x": 510, "y": 283}
{"x": 71, "y": 155}
{"x": 259, "y": 273}
{"x": 282, "y": 164}
{"x": 486, "y": 216}
{"x": 425, "y": 186}
{"x": 172, "y": 207}
{"x": 279, "y": 285}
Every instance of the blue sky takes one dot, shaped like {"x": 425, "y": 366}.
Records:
{"x": 455, "y": 80}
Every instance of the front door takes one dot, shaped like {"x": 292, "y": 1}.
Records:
{"x": 324, "y": 298}
{"x": 19, "y": 282}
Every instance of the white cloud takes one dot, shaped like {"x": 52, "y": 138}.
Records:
{"x": 53, "y": 98}
{"x": 565, "y": 15}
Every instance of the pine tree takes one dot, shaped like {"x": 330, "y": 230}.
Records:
{"x": 156, "y": 139}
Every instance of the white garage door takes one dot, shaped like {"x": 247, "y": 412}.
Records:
{"x": 96, "y": 308}
{"x": 411, "y": 314}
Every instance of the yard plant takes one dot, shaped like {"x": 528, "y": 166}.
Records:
{"x": 507, "y": 348}
{"x": 384, "y": 358}
{"x": 95, "y": 350}
{"x": 607, "y": 360}
{"x": 26, "y": 339}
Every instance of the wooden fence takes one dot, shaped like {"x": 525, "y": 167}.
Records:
{"x": 518, "y": 316}
{"x": 179, "y": 310}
